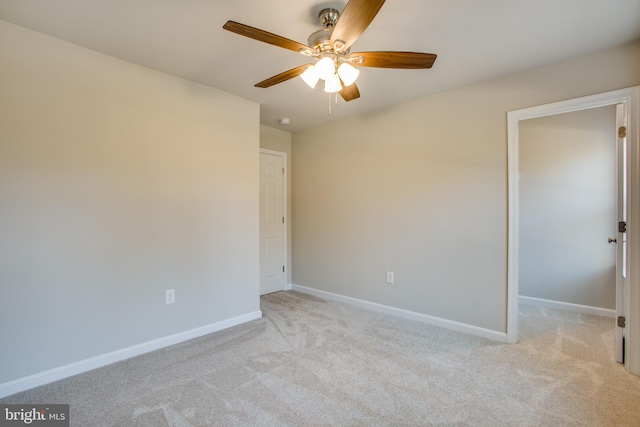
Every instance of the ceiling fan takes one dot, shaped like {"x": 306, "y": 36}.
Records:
{"x": 331, "y": 48}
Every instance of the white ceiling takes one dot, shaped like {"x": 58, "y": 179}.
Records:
{"x": 475, "y": 40}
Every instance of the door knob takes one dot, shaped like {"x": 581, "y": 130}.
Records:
{"x": 610, "y": 240}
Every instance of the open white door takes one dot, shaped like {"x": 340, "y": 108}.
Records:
{"x": 628, "y": 246}
{"x": 272, "y": 223}
{"x": 621, "y": 227}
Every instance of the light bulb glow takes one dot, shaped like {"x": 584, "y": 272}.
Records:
{"x": 310, "y": 76}
{"x": 348, "y": 73}
{"x": 332, "y": 84}
{"x": 326, "y": 68}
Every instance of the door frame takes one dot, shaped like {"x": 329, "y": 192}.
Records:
{"x": 285, "y": 212}
{"x": 631, "y": 98}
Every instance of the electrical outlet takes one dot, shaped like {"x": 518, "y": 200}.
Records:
{"x": 389, "y": 276}
{"x": 170, "y": 296}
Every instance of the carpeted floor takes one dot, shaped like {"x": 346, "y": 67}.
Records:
{"x": 314, "y": 362}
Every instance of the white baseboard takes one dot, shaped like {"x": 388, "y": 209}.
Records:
{"x": 288, "y": 287}
{"x": 559, "y": 305}
{"x": 411, "y": 315}
{"x": 61, "y": 372}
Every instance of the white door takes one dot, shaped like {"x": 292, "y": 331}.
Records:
{"x": 272, "y": 223}
{"x": 621, "y": 236}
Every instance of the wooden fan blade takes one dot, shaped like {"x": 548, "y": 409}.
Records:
{"x": 355, "y": 18}
{"x": 264, "y": 36}
{"x": 349, "y": 93}
{"x": 394, "y": 59}
{"x": 283, "y": 77}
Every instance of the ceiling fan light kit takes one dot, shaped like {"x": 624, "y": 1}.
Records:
{"x": 348, "y": 73}
{"x": 332, "y": 84}
{"x": 310, "y": 76}
{"x": 331, "y": 46}
{"x": 326, "y": 68}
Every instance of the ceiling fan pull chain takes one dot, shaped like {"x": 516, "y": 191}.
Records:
{"x": 329, "y": 104}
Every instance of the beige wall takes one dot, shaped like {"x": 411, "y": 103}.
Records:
{"x": 275, "y": 139}
{"x": 279, "y": 140}
{"x": 420, "y": 189}
{"x": 116, "y": 183}
{"x": 568, "y": 207}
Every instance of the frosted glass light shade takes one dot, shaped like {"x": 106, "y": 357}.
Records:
{"x": 332, "y": 85}
{"x": 348, "y": 73}
{"x": 326, "y": 68}
{"x": 310, "y": 76}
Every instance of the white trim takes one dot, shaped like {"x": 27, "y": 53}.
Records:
{"x": 630, "y": 97}
{"x": 406, "y": 314}
{"x": 61, "y": 372}
{"x": 285, "y": 212}
{"x": 632, "y": 344}
{"x": 288, "y": 287}
{"x": 621, "y": 215}
{"x": 567, "y": 306}
{"x": 273, "y": 152}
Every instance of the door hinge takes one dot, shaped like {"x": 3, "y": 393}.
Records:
{"x": 621, "y": 321}
{"x": 622, "y": 132}
{"x": 622, "y": 227}
{"x": 282, "y": 171}
{"x": 283, "y": 268}
{"x": 283, "y": 220}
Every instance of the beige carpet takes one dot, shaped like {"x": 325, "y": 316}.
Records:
{"x": 313, "y": 362}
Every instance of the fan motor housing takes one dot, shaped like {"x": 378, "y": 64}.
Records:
{"x": 320, "y": 40}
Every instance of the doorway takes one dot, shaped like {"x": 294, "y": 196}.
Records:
{"x": 272, "y": 221}
{"x": 567, "y": 189}
{"x": 629, "y": 335}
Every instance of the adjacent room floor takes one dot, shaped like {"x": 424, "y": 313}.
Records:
{"x": 314, "y": 362}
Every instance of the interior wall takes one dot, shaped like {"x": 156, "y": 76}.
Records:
{"x": 117, "y": 183}
{"x": 420, "y": 189}
{"x": 567, "y": 200}
{"x": 280, "y": 140}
